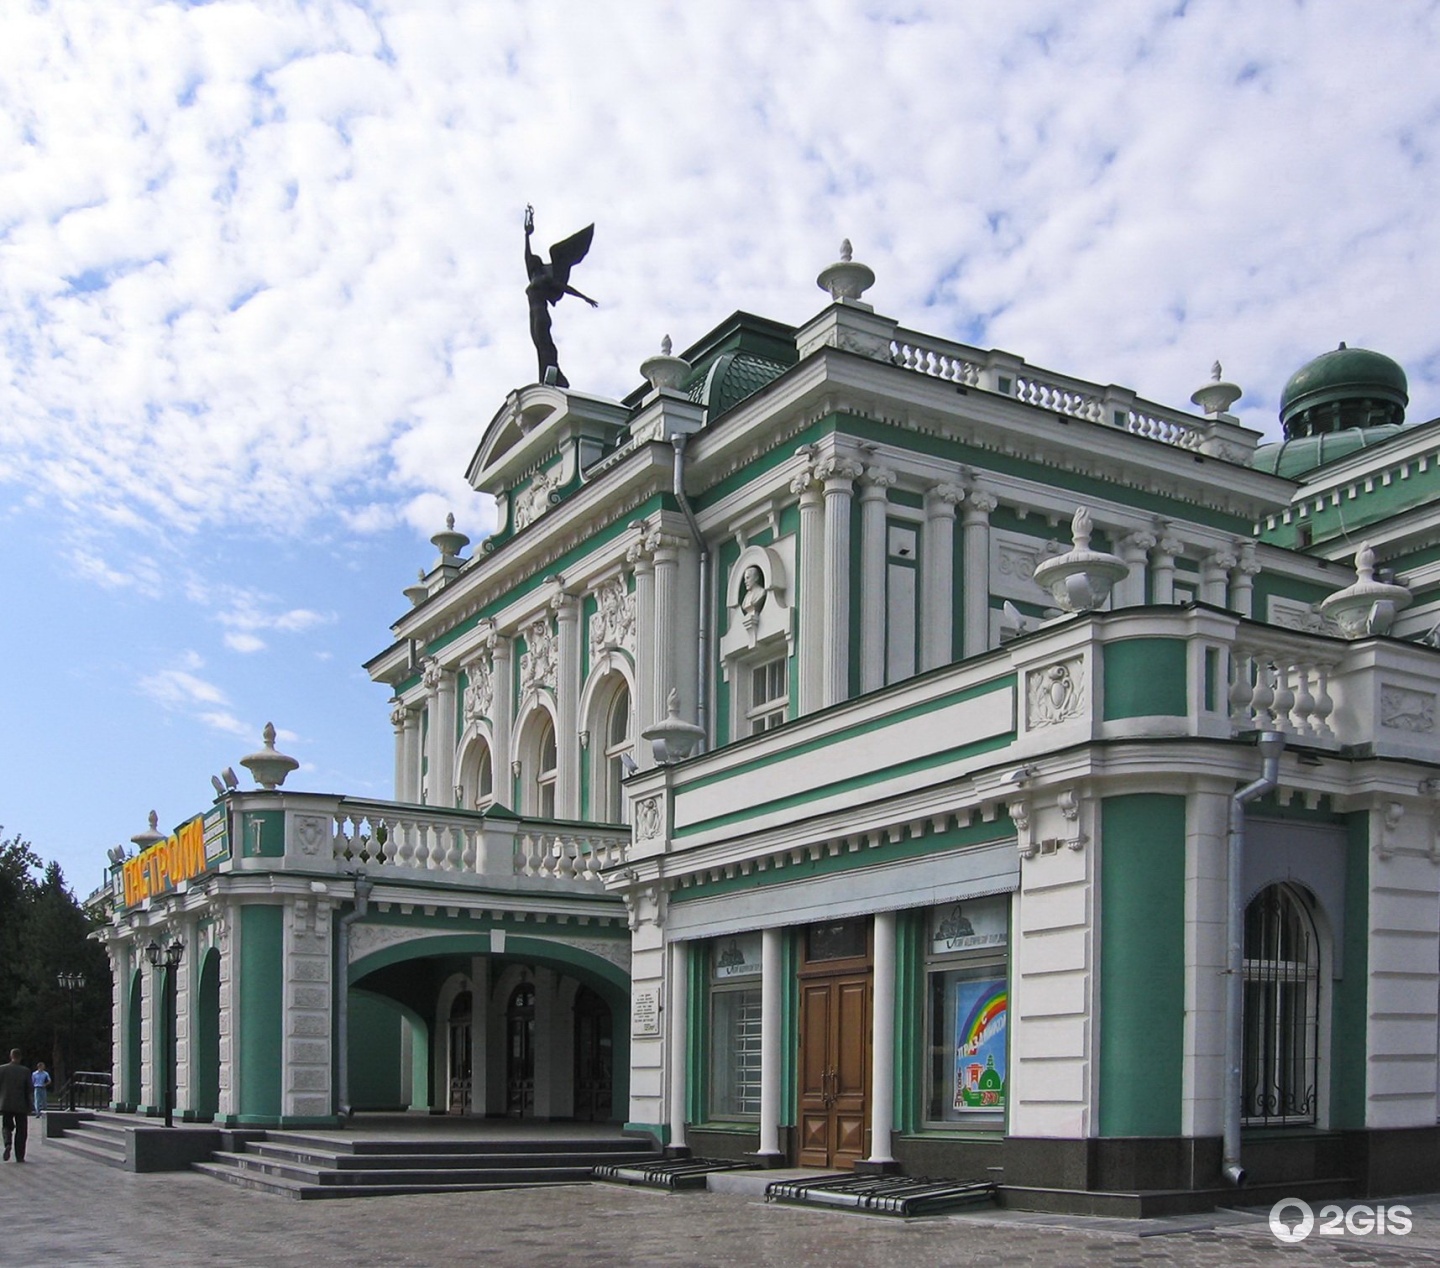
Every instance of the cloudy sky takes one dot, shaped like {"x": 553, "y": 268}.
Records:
{"x": 261, "y": 287}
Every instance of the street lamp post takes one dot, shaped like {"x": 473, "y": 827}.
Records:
{"x": 170, "y": 958}
{"x": 70, "y": 983}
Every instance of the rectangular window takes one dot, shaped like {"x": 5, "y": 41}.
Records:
{"x": 967, "y": 1013}
{"x": 769, "y": 696}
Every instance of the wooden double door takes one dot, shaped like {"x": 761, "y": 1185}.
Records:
{"x": 835, "y": 1055}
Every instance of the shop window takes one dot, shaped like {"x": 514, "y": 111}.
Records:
{"x": 735, "y": 1028}
{"x": 1279, "y": 1078}
{"x": 967, "y": 1013}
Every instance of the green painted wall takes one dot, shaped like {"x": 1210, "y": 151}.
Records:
{"x": 376, "y": 1033}
{"x": 1142, "y": 962}
{"x": 1145, "y": 677}
{"x": 909, "y": 1020}
{"x": 1350, "y": 1009}
{"x": 261, "y": 998}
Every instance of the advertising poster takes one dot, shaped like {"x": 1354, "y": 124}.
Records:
{"x": 980, "y": 1045}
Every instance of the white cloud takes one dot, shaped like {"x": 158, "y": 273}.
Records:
{"x": 260, "y": 267}
{"x": 181, "y": 689}
{"x": 244, "y": 643}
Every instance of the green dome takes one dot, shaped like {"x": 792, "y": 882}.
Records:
{"x": 1350, "y": 388}
{"x": 1295, "y": 458}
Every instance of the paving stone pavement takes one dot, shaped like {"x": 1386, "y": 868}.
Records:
{"x": 67, "y": 1212}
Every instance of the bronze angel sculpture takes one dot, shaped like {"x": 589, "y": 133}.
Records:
{"x": 548, "y": 284}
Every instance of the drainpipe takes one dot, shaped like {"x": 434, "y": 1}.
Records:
{"x": 363, "y": 887}
{"x": 1271, "y": 744}
{"x": 702, "y": 633}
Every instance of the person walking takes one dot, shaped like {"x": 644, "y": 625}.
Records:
{"x": 40, "y": 1087}
{"x": 15, "y": 1102}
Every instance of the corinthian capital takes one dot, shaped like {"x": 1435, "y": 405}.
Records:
{"x": 838, "y": 469}
{"x": 945, "y": 494}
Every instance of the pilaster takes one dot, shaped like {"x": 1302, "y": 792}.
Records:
{"x": 647, "y": 709}
{"x": 937, "y": 586}
{"x": 1134, "y": 549}
{"x": 811, "y": 673}
{"x": 567, "y": 702}
{"x": 874, "y": 500}
{"x": 502, "y": 716}
{"x": 975, "y": 527}
{"x": 838, "y": 475}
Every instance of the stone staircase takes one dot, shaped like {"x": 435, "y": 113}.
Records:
{"x": 98, "y": 1137}
{"x": 311, "y": 1166}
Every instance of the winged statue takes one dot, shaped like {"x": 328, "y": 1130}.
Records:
{"x": 548, "y": 285}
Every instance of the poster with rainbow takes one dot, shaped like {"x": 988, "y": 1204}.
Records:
{"x": 980, "y": 1045}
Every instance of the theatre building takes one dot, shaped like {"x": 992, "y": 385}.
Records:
{"x": 857, "y": 749}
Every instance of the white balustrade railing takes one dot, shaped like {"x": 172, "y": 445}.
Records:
{"x": 972, "y": 367}
{"x": 378, "y": 834}
{"x": 1275, "y": 687}
{"x": 566, "y": 854}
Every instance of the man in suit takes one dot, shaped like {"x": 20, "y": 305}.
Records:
{"x": 15, "y": 1105}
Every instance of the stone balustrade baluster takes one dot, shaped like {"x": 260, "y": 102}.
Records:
{"x": 1242, "y": 671}
{"x": 1284, "y": 701}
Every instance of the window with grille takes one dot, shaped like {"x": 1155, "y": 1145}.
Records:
{"x": 1280, "y": 1072}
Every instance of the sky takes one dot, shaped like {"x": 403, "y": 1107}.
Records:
{"x": 262, "y": 288}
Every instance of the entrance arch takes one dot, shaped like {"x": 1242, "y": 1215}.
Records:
{"x": 134, "y": 1041}
{"x": 207, "y": 1038}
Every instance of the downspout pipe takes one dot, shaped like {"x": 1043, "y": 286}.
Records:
{"x": 363, "y": 886}
{"x": 702, "y": 632}
{"x": 1271, "y": 744}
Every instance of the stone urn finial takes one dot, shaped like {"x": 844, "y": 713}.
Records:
{"x": 1080, "y": 580}
{"x": 846, "y": 280}
{"x": 673, "y": 739}
{"x": 419, "y": 592}
{"x": 666, "y": 373}
{"x": 1369, "y": 606}
{"x": 1216, "y": 396}
{"x": 267, "y": 767}
{"x": 449, "y": 543}
{"x": 153, "y": 836}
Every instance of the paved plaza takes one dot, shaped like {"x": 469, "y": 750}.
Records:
{"x": 67, "y": 1212}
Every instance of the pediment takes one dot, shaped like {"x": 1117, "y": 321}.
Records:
{"x": 534, "y": 423}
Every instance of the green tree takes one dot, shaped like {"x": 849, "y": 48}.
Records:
{"x": 44, "y": 932}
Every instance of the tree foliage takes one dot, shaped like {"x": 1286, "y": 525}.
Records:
{"x": 44, "y": 932}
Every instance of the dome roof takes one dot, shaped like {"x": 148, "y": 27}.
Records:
{"x": 1295, "y": 458}
{"x": 731, "y": 378}
{"x": 1349, "y": 388}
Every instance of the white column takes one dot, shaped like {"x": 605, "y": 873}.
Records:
{"x": 397, "y": 721}
{"x": 410, "y": 787}
{"x": 771, "y": 988}
{"x": 937, "y": 585}
{"x": 567, "y": 701}
{"x": 502, "y": 714}
{"x": 811, "y": 590}
{"x": 1242, "y": 580}
{"x": 1134, "y": 549}
{"x": 976, "y": 526}
{"x": 1162, "y": 569}
{"x": 679, "y": 1016}
{"x": 442, "y": 739}
{"x": 1215, "y": 576}
{"x": 882, "y": 1089}
{"x": 647, "y": 710}
{"x": 873, "y": 502}
{"x": 839, "y": 475}
{"x": 666, "y": 550}
{"x": 479, "y": 1031}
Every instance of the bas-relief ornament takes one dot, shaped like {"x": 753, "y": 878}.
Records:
{"x": 614, "y": 950}
{"x": 479, "y": 689}
{"x": 1404, "y": 710}
{"x": 612, "y": 626}
{"x": 1291, "y": 614}
{"x": 1054, "y": 694}
{"x": 312, "y": 834}
{"x": 366, "y": 939}
{"x": 537, "y": 498}
{"x": 1013, "y": 563}
{"x": 647, "y": 818}
{"x": 537, "y": 664}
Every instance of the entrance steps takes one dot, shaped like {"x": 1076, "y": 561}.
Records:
{"x": 99, "y": 1138}
{"x": 310, "y": 1167}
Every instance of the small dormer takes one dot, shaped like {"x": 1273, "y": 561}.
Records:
{"x": 537, "y": 445}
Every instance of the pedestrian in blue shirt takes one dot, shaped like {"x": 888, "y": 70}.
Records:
{"x": 39, "y": 1085}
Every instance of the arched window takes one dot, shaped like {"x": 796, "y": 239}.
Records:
{"x": 477, "y": 776}
{"x": 618, "y": 746}
{"x": 1282, "y": 1009}
{"x": 546, "y": 762}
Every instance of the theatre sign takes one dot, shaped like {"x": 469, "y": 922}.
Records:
{"x": 185, "y": 854}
